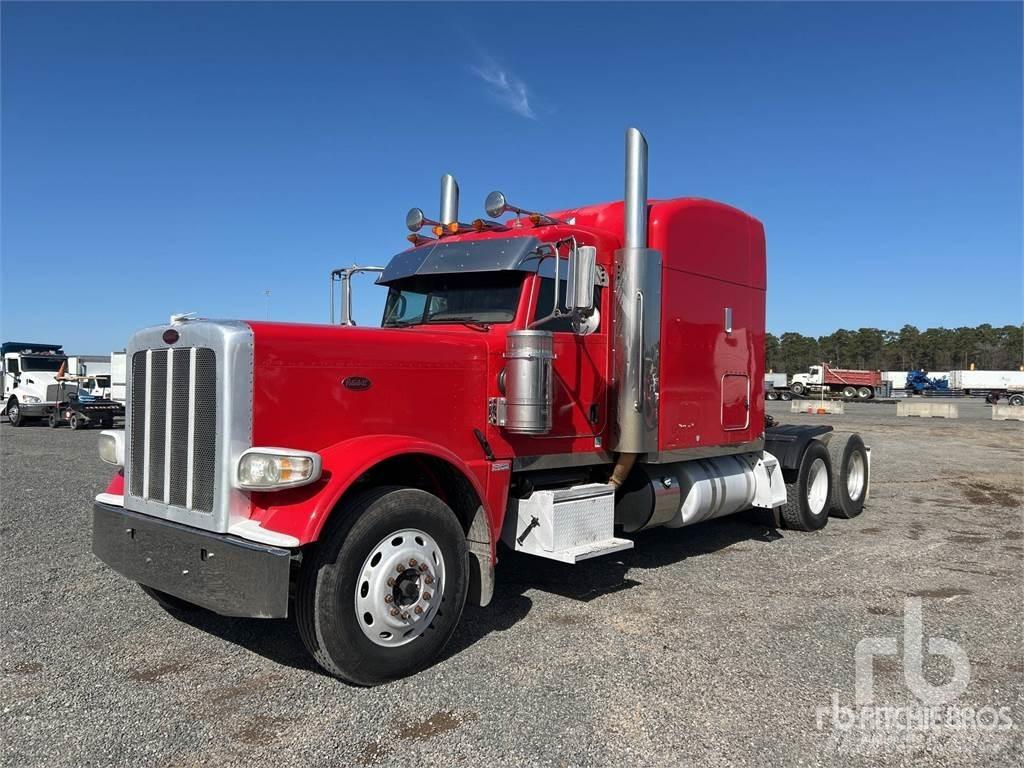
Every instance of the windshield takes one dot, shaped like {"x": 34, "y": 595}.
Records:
{"x": 477, "y": 297}
{"x": 41, "y": 363}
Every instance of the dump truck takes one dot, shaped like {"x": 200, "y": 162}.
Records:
{"x": 540, "y": 383}
{"x": 849, "y": 384}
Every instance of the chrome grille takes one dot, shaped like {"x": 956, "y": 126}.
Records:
{"x": 173, "y": 439}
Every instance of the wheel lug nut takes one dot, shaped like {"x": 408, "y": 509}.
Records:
{"x": 418, "y": 609}
{"x": 405, "y": 614}
{"x": 426, "y": 595}
{"x": 399, "y": 567}
{"x": 423, "y": 566}
{"x": 429, "y": 579}
{"x": 388, "y": 598}
{"x": 412, "y": 562}
{"x": 394, "y": 611}
{"x": 391, "y": 582}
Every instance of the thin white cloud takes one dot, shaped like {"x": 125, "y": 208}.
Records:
{"x": 506, "y": 88}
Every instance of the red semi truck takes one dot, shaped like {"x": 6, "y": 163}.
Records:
{"x": 850, "y": 384}
{"x": 554, "y": 382}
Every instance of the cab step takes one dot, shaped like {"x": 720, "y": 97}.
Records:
{"x": 565, "y": 524}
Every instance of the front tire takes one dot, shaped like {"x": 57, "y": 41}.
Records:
{"x": 1016, "y": 399}
{"x": 808, "y": 490}
{"x": 14, "y": 413}
{"x": 359, "y": 592}
{"x": 797, "y": 388}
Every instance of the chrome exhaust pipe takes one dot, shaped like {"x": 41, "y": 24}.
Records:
{"x": 449, "y": 199}
{"x": 637, "y": 320}
{"x": 635, "y": 215}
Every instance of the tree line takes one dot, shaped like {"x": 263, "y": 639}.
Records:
{"x": 934, "y": 349}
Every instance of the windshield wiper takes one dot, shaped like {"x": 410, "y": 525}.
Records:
{"x": 399, "y": 323}
{"x": 466, "y": 320}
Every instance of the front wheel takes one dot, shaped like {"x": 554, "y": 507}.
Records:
{"x": 1016, "y": 399}
{"x": 797, "y": 388}
{"x": 14, "y": 413}
{"x": 384, "y": 589}
{"x": 76, "y": 421}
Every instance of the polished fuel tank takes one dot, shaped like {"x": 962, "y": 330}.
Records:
{"x": 686, "y": 492}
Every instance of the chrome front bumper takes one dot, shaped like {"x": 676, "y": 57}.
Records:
{"x": 225, "y": 574}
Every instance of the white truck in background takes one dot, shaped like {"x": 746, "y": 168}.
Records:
{"x": 30, "y": 388}
{"x": 776, "y": 386}
{"x": 118, "y": 377}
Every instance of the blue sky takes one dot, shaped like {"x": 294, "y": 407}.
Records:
{"x": 162, "y": 158}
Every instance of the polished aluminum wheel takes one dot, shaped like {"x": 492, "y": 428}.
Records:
{"x": 817, "y": 486}
{"x": 400, "y": 588}
{"x": 855, "y": 474}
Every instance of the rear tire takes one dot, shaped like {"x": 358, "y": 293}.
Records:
{"x": 75, "y": 421}
{"x": 1017, "y": 400}
{"x": 808, "y": 490}
{"x": 771, "y": 396}
{"x": 342, "y": 625}
{"x": 849, "y": 393}
{"x": 850, "y": 474}
{"x": 865, "y": 393}
{"x": 785, "y": 396}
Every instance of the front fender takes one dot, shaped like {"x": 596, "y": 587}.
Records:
{"x": 302, "y": 512}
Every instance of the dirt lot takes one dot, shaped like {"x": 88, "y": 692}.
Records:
{"x": 726, "y": 643}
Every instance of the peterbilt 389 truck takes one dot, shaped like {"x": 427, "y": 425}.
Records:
{"x": 550, "y": 383}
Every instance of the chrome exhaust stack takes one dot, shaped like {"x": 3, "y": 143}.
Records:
{"x": 449, "y": 200}
{"x": 638, "y": 314}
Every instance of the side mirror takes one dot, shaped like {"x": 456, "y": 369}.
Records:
{"x": 495, "y": 204}
{"x": 579, "y": 295}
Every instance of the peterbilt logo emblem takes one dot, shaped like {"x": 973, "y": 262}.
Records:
{"x": 356, "y": 383}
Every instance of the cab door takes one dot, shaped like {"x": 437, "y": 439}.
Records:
{"x": 580, "y": 397}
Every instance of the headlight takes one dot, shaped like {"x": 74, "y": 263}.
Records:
{"x": 270, "y": 469}
{"x": 31, "y": 399}
{"x": 112, "y": 446}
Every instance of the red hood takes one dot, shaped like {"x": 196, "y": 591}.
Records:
{"x": 317, "y": 385}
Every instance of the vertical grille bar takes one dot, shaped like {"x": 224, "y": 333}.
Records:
{"x": 138, "y": 433}
{"x": 178, "y": 429}
{"x": 169, "y": 384}
{"x": 204, "y": 445}
{"x": 157, "y": 423}
{"x": 191, "y": 437}
{"x": 149, "y": 418}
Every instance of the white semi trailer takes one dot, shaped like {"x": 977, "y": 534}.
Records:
{"x": 994, "y": 385}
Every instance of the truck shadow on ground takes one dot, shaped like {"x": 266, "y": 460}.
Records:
{"x": 517, "y": 574}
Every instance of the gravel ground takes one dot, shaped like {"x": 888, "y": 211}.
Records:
{"x": 715, "y": 644}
